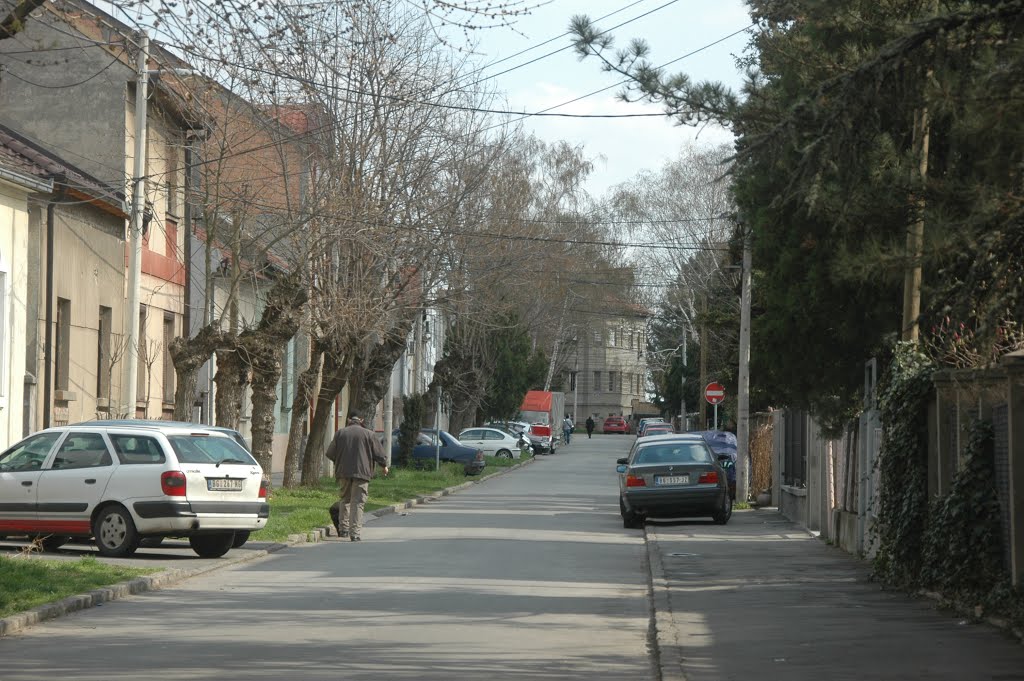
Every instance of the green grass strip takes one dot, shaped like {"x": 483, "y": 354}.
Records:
{"x": 27, "y": 581}
{"x": 298, "y": 511}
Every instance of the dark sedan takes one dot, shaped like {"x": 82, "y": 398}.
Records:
{"x": 672, "y": 476}
{"x": 452, "y": 450}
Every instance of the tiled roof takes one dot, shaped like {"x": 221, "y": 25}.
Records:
{"x": 23, "y": 155}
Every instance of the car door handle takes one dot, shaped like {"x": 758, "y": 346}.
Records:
{"x": 90, "y": 481}
{"x": 26, "y": 483}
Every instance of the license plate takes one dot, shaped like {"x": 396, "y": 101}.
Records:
{"x": 224, "y": 484}
{"x": 672, "y": 480}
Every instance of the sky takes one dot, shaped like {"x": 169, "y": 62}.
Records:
{"x": 619, "y": 148}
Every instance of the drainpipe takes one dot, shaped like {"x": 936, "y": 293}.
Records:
{"x": 48, "y": 342}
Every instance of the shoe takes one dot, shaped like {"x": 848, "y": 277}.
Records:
{"x": 355, "y": 537}
{"x": 342, "y": 534}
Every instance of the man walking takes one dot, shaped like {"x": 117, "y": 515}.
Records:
{"x": 590, "y": 427}
{"x": 354, "y": 451}
{"x": 567, "y": 426}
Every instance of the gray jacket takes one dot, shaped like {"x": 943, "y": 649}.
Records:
{"x": 354, "y": 451}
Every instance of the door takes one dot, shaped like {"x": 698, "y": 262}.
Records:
{"x": 73, "y": 483}
{"x": 475, "y": 438}
{"x": 20, "y": 468}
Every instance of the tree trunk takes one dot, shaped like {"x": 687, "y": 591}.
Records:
{"x": 266, "y": 373}
{"x": 263, "y": 347}
{"x": 335, "y": 376}
{"x": 300, "y": 410}
{"x": 188, "y": 356}
{"x": 231, "y": 379}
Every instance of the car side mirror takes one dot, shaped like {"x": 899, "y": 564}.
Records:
{"x": 622, "y": 461}
{"x": 621, "y": 468}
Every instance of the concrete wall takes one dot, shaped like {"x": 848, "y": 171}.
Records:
{"x": 13, "y": 309}
{"x": 88, "y": 272}
{"x": 81, "y": 121}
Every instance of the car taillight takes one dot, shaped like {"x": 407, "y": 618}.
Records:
{"x": 634, "y": 481}
{"x": 708, "y": 478}
{"x": 172, "y": 483}
{"x": 479, "y": 455}
{"x": 264, "y": 489}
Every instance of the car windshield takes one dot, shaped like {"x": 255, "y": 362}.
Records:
{"x": 674, "y": 453}
{"x": 196, "y": 448}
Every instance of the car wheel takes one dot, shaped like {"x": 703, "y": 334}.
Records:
{"x": 722, "y": 515}
{"x": 504, "y": 454}
{"x": 630, "y": 519}
{"x": 150, "y": 542}
{"x": 114, "y": 532}
{"x": 212, "y": 545}
{"x": 53, "y": 542}
{"x": 240, "y": 539}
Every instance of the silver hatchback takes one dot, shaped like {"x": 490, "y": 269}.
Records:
{"x": 672, "y": 476}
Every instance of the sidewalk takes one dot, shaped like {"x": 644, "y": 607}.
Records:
{"x": 761, "y": 599}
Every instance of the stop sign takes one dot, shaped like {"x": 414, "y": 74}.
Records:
{"x": 714, "y": 393}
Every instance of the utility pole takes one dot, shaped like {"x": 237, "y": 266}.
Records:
{"x": 743, "y": 394}
{"x": 703, "y": 420}
{"x": 131, "y": 356}
{"x": 682, "y": 390}
{"x": 417, "y": 353}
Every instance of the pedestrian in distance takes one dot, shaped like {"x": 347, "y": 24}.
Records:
{"x": 590, "y": 427}
{"x": 355, "y": 451}
{"x": 567, "y": 428}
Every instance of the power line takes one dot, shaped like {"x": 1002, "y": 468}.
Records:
{"x": 626, "y": 80}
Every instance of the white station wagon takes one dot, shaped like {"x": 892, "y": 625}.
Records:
{"x": 122, "y": 484}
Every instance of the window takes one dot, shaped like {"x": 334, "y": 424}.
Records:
{"x": 63, "y": 345}
{"x": 209, "y": 449}
{"x": 613, "y": 337}
{"x": 168, "y": 362}
{"x": 597, "y": 381}
{"x": 137, "y": 450}
{"x": 493, "y": 435}
{"x": 695, "y": 453}
{"x": 29, "y": 454}
{"x": 630, "y": 340}
{"x": 82, "y": 450}
{"x": 598, "y": 336}
{"x": 140, "y": 383}
{"x": 103, "y": 352}
{"x": 611, "y": 381}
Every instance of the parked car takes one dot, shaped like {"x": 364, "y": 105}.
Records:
{"x": 542, "y": 439}
{"x": 644, "y": 421}
{"x": 655, "y": 428}
{"x": 615, "y": 424}
{"x": 426, "y": 449}
{"x": 241, "y": 536}
{"x": 493, "y": 442}
{"x": 120, "y": 484}
{"x": 672, "y": 476}
{"x": 723, "y": 444}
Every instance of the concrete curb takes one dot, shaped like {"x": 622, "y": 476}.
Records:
{"x": 23, "y": 620}
{"x": 667, "y": 650}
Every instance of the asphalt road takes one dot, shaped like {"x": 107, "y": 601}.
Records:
{"x": 528, "y": 576}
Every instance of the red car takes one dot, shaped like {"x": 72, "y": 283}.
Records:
{"x": 615, "y": 424}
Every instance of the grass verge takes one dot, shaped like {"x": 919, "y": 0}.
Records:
{"x": 27, "y": 582}
{"x": 297, "y": 511}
